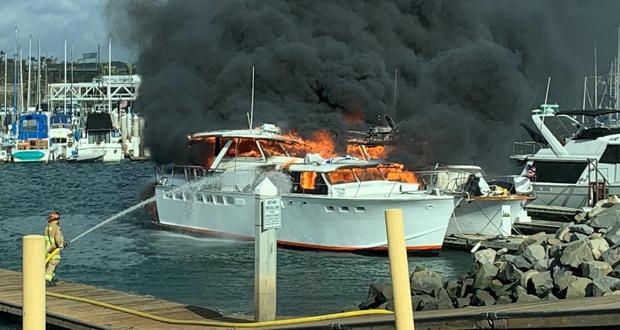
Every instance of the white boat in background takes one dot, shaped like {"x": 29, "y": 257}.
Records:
{"x": 336, "y": 204}
{"x": 32, "y": 143}
{"x": 61, "y": 136}
{"x": 481, "y": 208}
{"x": 577, "y": 163}
{"x": 99, "y": 141}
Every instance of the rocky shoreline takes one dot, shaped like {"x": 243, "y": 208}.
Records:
{"x": 576, "y": 261}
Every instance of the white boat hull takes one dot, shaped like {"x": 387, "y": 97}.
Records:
{"x": 324, "y": 223}
{"x": 484, "y": 217}
{"x": 566, "y": 195}
{"x": 112, "y": 152}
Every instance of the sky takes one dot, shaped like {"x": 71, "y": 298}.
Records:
{"x": 81, "y": 22}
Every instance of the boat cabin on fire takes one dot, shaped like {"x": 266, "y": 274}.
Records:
{"x": 333, "y": 204}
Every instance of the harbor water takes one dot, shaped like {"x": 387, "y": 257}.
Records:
{"x": 132, "y": 254}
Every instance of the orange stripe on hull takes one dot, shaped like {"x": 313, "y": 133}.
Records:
{"x": 296, "y": 245}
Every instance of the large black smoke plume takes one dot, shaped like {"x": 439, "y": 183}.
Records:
{"x": 470, "y": 71}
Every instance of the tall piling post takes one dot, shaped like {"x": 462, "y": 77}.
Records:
{"x": 33, "y": 256}
{"x": 399, "y": 269}
{"x": 267, "y": 219}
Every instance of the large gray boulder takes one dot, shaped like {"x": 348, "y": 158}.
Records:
{"x": 503, "y": 300}
{"x": 525, "y": 278}
{"x": 443, "y": 300}
{"x": 482, "y": 298}
{"x": 509, "y": 273}
{"x": 576, "y": 253}
{"x": 578, "y": 287}
{"x": 521, "y": 263}
{"x": 612, "y": 256}
{"x": 536, "y": 239}
{"x": 486, "y": 256}
{"x": 582, "y": 229}
{"x": 425, "y": 281}
{"x": 598, "y": 247}
{"x": 378, "y": 294}
{"x": 563, "y": 233}
{"x": 521, "y": 296}
{"x": 595, "y": 269}
{"x": 452, "y": 287}
{"x": 605, "y": 217}
{"x": 561, "y": 278}
{"x": 484, "y": 274}
{"x": 613, "y": 235}
{"x": 541, "y": 283}
{"x": 463, "y": 302}
{"x": 602, "y": 285}
{"x": 534, "y": 253}
{"x": 467, "y": 287}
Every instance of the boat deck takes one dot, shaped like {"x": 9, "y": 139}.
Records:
{"x": 69, "y": 314}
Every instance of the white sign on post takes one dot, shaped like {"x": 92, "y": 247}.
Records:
{"x": 272, "y": 216}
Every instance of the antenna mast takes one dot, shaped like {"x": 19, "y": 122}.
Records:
{"x": 252, "y": 102}
{"x": 29, "y": 71}
{"x": 395, "y": 90}
{"x": 547, "y": 92}
{"x": 595, "y": 80}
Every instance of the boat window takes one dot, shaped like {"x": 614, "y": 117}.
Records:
{"x": 230, "y": 200}
{"x": 244, "y": 148}
{"x": 558, "y": 172}
{"x": 96, "y": 137}
{"x": 30, "y": 125}
{"x": 368, "y": 174}
{"x": 341, "y": 176}
{"x": 219, "y": 199}
{"x": 611, "y": 155}
{"x": 273, "y": 148}
{"x": 308, "y": 183}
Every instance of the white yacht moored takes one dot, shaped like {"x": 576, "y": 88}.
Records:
{"x": 336, "y": 204}
{"x": 577, "y": 165}
{"x": 101, "y": 142}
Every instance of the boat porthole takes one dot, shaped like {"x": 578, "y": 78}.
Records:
{"x": 289, "y": 203}
{"x": 430, "y": 206}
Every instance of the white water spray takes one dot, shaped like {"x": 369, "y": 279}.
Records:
{"x": 116, "y": 216}
{"x": 205, "y": 180}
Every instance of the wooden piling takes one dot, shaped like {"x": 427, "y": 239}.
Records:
{"x": 265, "y": 250}
{"x": 33, "y": 254}
{"x": 399, "y": 269}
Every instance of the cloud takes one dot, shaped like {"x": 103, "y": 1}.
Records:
{"x": 82, "y": 23}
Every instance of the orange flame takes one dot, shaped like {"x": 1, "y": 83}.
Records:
{"x": 321, "y": 142}
{"x": 307, "y": 180}
{"x": 365, "y": 152}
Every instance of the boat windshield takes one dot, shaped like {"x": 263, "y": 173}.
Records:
{"x": 389, "y": 172}
{"x": 273, "y": 148}
{"x": 243, "y": 148}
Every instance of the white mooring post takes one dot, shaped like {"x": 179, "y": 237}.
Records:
{"x": 267, "y": 219}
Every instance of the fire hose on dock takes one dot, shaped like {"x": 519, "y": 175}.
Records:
{"x": 292, "y": 321}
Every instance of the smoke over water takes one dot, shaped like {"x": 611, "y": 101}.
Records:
{"x": 469, "y": 71}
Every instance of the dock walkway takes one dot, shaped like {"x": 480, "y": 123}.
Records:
{"x": 69, "y": 314}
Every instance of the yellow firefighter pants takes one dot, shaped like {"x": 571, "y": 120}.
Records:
{"x": 50, "y": 269}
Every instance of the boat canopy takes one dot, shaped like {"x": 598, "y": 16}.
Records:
{"x": 33, "y": 126}
{"x": 595, "y": 132}
{"x": 99, "y": 121}
{"x": 588, "y": 113}
{"x": 264, "y": 132}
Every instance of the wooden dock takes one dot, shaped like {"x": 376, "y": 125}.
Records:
{"x": 69, "y": 314}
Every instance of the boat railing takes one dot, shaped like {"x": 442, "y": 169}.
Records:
{"x": 444, "y": 181}
{"x": 188, "y": 173}
{"x": 521, "y": 148}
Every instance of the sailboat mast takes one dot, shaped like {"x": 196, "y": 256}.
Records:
{"x": 6, "y": 83}
{"x": 21, "y": 81}
{"x": 110, "y": 74}
{"x": 64, "y": 100}
{"x": 618, "y": 71}
{"x": 595, "y": 80}
{"x": 39, "y": 74}
{"x": 29, "y": 72}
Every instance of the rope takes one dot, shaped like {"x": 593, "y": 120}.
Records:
{"x": 299, "y": 320}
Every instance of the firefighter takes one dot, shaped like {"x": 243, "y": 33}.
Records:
{"x": 53, "y": 240}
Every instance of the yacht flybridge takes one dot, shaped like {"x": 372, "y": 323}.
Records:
{"x": 332, "y": 204}
{"x": 577, "y": 163}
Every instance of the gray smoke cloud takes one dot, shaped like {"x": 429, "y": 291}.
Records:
{"x": 469, "y": 71}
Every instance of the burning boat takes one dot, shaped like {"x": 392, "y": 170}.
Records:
{"x": 333, "y": 204}
{"x": 481, "y": 209}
